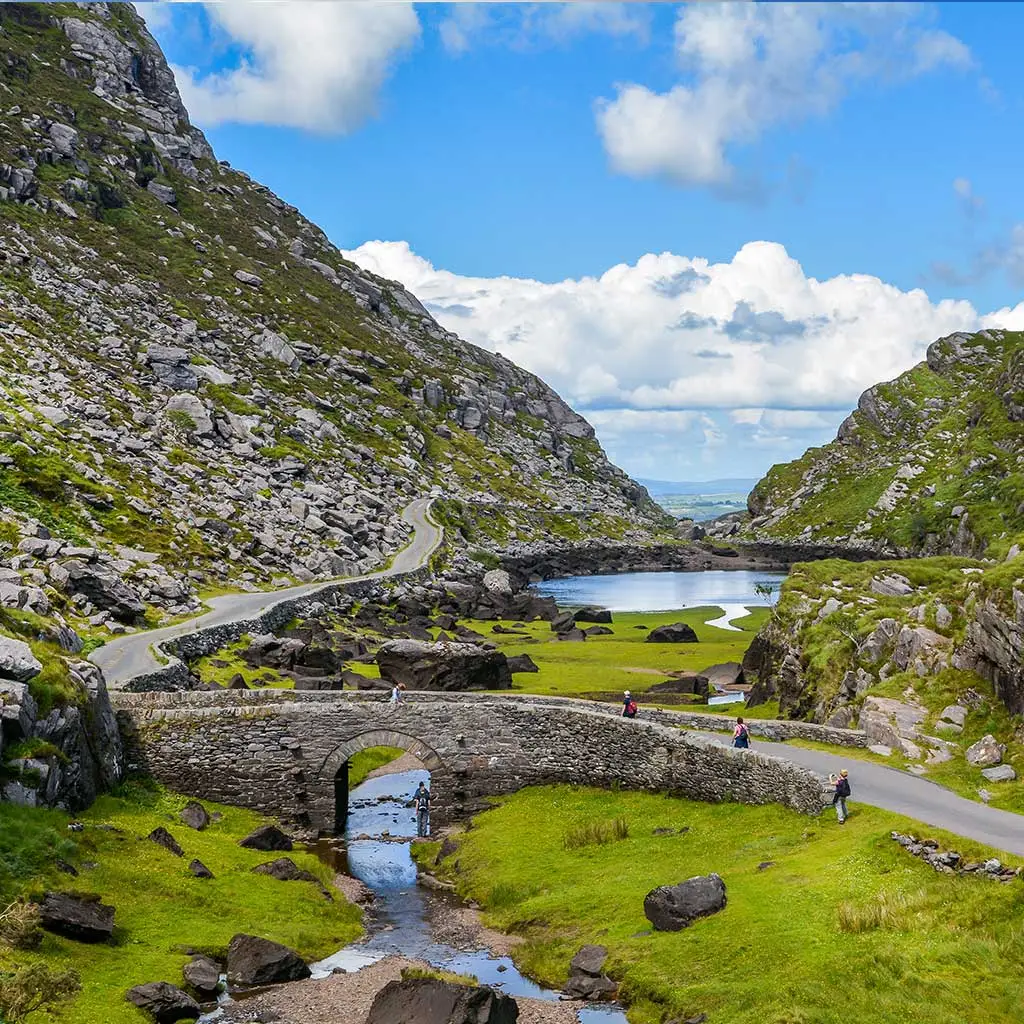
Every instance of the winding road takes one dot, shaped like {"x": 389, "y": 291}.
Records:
{"x": 893, "y": 790}
{"x": 132, "y": 655}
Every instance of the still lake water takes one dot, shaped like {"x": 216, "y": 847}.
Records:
{"x": 661, "y": 591}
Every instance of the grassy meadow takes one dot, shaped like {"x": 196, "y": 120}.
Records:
{"x": 161, "y": 908}
{"x": 841, "y": 927}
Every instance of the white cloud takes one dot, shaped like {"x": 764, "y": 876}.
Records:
{"x": 749, "y": 67}
{"x": 750, "y": 359}
{"x": 308, "y": 64}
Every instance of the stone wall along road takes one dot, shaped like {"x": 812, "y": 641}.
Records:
{"x": 280, "y": 752}
{"x": 150, "y": 660}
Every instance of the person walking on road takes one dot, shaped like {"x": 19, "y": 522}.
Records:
{"x": 741, "y": 734}
{"x": 422, "y": 799}
{"x": 628, "y": 705}
{"x": 842, "y": 791}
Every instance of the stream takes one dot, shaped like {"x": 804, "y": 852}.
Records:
{"x": 399, "y": 922}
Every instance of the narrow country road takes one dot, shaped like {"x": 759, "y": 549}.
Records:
{"x": 903, "y": 793}
{"x": 131, "y": 655}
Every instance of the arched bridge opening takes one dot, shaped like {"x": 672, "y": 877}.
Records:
{"x": 336, "y": 767}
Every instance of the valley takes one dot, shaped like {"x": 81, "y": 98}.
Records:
{"x": 276, "y": 547}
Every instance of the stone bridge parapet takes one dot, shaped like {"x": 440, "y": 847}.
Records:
{"x": 280, "y": 752}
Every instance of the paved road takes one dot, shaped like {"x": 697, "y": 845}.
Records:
{"x": 906, "y": 794}
{"x": 131, "y": 655}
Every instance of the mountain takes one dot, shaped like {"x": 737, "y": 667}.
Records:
{"x": 727, "y": 485}
{"x": 929, "y": 463}
{"x": 199, "y": 390}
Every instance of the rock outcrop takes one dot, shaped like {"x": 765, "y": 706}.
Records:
{"x": 929, "y": 463}
{"x": 430, "y": 1000}
{"x": 420, "y": 665}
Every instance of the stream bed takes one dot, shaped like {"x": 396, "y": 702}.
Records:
{"x": 376, "y": 850}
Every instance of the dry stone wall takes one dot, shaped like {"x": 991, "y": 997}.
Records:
{"x": 280, "y": 752}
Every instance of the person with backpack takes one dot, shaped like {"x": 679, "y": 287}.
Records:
{"x": 842, "y": 791}
{"x": 422, "y": 799}
{"x": 741, "y": 734}
{"x": 629, "y": 708}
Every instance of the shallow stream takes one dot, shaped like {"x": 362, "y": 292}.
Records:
{"x": 376, "y": 850}
{"x": 402, "y": 911}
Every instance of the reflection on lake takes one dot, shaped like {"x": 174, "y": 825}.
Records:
{"x": 662, "y": 591}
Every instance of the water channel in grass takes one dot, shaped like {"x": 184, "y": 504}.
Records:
{"x": 376, "y": 850}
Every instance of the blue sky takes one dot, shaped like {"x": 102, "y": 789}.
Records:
{"x": 540, "y": 172}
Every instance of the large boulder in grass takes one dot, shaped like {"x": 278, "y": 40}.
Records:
{"x": 587, "y": 979}
{"x": 194, "y": 815}
{"x": 17, "y": 661}
{"x": 684, "y": 682}
{"x": 677, "y": 633}
{"x": 256, "y": 961}
{"x": 267, "y": 837}
{"x": 284, "y": 869}
{"x": 598, "y": 615}
{"x": 423, "y": 665}
{"x": 83, "y": 918}
{"x": 203, "y": 974}
{"x": 522, "y": 663}
{"x": 164, "y": 1002}
{"x": 163, "y": 838}
{"x": 670, "y": 908}
{"x": 432, "y": 1001}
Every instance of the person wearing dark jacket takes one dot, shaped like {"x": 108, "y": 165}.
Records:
{"x": 422, "y": 799}
{"x": 842, "y": 791}
{"x": 628, "y": 705}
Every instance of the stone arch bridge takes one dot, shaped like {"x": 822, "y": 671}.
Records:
{"x": 285, "y": 753}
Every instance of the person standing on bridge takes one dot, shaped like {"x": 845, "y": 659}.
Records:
{"x": 628, "y": 705}
{"x": 842, "y": 791}
{"x": 396, "y": 693}
{"x": 741, "y": 734}
{"x": 422, "y": 799}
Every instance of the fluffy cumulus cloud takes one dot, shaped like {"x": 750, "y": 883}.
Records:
{"x": 745, "y": 67}
{"x": 302, "y": 64}
{"x": 707, "y": 369}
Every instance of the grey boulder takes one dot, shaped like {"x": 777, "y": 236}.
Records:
{"x": 423, "y": 665}
{"x": 670, "y": 908}
{"x": 164, "y": 1002}
{"x": 256, "y": 961}
{"x": 203, "y": 975}
{"x": 83, "y": 918}
{"x": 432, "y": 1001}
{"x": 676, "y": 633}
{"x": 986, "y": 752}
{"x": 267, "y": 837}
{"x": 587, "y": 979}
{"x": 17, "y": 661}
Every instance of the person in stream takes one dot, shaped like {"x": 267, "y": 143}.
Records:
{"x": 422, "y": 799}
{"x": 741, "y": 734}
{"x": 842, "y": 791}
{"x": 628, "y": 705}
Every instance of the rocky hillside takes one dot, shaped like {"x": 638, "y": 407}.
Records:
{"x": 199, "y": 390}
{"x": 929, "y": 463}
{"x": 926, "y": 655}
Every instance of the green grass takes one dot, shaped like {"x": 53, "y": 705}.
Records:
{"x": 360, "y": 765}
{"x": 161, "y": 908}
{"x": 845, "y": 927}
{"x": 607, "y": 665}
{"x": 222, "y": 666}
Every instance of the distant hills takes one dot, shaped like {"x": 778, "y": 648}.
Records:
{"x": 726, "y": 485}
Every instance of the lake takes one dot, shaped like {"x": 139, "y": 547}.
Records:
{"x": 662, "y": 591}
